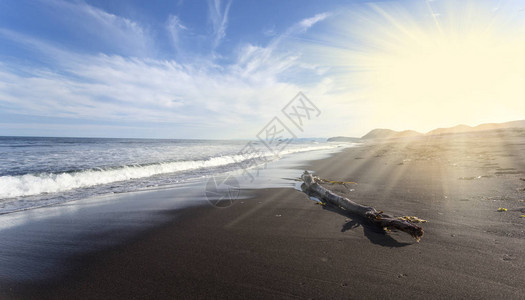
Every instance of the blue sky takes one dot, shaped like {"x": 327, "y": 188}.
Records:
{"x": 224, "y": 69}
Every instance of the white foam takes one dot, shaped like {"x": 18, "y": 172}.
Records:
{"x": 35, "y": 184}
{"x": 32, "y": 184}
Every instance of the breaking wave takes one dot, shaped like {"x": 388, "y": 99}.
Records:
{"x": 47, "y": 183}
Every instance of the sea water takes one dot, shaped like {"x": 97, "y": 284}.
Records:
{"x": 41, "y": 171}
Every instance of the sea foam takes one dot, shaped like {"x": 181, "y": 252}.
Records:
{"x": 47, "y": 183}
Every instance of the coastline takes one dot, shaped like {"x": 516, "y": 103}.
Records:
{"x": 280, "y": 244}
{"x": 48, "y": 244}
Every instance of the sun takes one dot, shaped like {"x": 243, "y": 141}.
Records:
{"x": 468, "y": 79}
{"x": 431, "y": 64}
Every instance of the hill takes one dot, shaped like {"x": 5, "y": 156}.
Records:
{"x": 381, "y": 133}
{"x": 481, "y": 127}
{"x": 455, "y": 129}
{"x": 344, "y": 139}
{"x": 388, "y": 134}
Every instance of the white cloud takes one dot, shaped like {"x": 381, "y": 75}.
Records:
{"x": 309, "y": 22}
{"x": 175, "y": 27}
{"x": 234, "y": 100}
{"x": 114, "y": 88}
{"x": 264, "y": 61}
{"x": 120, "y": 32}
{"x": 218, "y": 17}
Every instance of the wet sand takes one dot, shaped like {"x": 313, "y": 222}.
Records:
{"x": 280, "y": 244}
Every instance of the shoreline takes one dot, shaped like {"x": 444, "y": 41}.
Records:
{"x": 152, "y": 182}
{"x": 55, "y": 234}
{"x": 281, "y": 244}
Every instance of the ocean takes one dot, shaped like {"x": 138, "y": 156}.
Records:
{"x": 42, "y": 171}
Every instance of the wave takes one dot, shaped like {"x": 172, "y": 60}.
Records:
{"x": 46, "y": 183}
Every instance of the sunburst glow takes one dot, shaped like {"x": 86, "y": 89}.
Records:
{"x": 431, "y": 64}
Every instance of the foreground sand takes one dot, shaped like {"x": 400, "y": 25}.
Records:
{"x": 280, "y": 244}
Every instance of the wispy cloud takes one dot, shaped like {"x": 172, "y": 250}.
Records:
{"x": 309, "y": 22}
{"x": 175, "y": 27}
{"x": 266, "y": 60}
{"x": 123, "y": 34}
{"x": 105, "y": 88}
{"x": 218, "y": 17}
{"x": 116, "y": 88}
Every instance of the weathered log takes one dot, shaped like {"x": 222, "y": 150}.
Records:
{"x": 312, "y": 187}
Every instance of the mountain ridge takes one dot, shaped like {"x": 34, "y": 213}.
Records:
{"x": 383, "y": 133}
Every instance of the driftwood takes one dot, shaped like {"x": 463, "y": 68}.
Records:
{"x": 312, "y": 187}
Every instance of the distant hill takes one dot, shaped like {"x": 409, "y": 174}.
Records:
{"x": 512, "y": 124}
{"x": 455, "y": 129}
{"x": 407, "y": 133}
{"x": 389, "y": 134}
{"x": 379, "y": 133}
{"x": 344, "y": 139}
{"x": 481, "y": 127}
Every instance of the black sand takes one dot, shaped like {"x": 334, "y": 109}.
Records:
{"x": 281, "y": 245}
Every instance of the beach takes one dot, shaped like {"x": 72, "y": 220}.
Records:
{"x": 231, "y": 149}
{"x": 278, "y": 243}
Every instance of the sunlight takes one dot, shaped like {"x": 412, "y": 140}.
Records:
{"x": 461, "y": 65}
{"x": 437, "y": 76}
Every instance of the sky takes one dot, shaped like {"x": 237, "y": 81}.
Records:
{"x": 225, "y": 69}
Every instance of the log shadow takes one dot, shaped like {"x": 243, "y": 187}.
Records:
{"x": 374, "y": 234}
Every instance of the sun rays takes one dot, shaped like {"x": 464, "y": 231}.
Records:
{"x": 431, "y": 64}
